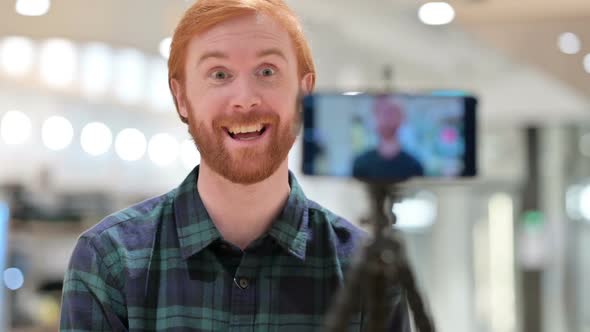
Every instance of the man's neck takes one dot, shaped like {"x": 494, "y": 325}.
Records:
{"x": 242, "y": 213}
{"x": 389, "y": 148}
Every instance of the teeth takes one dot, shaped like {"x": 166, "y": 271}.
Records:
{"x": 245, "y": 129}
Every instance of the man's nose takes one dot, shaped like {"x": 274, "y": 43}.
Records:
{"x": 245, "y": 97}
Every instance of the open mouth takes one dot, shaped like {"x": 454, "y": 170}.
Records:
{"x": 246, "y": 133}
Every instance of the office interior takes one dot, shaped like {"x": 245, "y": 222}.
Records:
{"x": 88, "y": 127}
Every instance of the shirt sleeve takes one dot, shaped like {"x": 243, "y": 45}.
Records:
{"x": 90, "y": 299}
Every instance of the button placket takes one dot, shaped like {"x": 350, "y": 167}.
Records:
{"x": 242, "y": 282}
{"x": 243, "y": 295}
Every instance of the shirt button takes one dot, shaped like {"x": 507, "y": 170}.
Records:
{"x": 243, "y": 283}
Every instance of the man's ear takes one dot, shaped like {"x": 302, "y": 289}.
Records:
{"x": 308, "y": 83}
{"x": 178, "y": 93}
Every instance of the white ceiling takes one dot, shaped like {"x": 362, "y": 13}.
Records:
{"x": 528, "y": 30}
{"x": 479, "y": 11}
{"x": 487, "y": 51}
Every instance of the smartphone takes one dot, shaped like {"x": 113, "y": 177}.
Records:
{"x": 389, "y": 137}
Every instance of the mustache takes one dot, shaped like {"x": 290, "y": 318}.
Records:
{"x": 245, "y": 119}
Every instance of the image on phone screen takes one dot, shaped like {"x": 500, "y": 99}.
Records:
{"x": 389, "y": 137}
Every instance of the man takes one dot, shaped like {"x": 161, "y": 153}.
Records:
{"x": 237, "y": 246}
{"x": 388, "y": 160}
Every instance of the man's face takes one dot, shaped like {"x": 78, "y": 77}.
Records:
{"x": 240, "y": 95}
{"x": 389, "y": 117}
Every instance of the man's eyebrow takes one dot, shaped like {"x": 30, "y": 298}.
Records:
{"x": 271, "y": 51}
{"x": 212, "y": 54}
{"x": 259, "y": 54}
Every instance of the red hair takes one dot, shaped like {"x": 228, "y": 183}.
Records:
{"x": 205, "y": 14}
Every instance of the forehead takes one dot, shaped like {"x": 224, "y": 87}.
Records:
{"x": 242, "y": 34}
{"x": 388, "y": 109}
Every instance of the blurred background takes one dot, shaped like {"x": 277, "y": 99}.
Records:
{"x": 86, "y": 117}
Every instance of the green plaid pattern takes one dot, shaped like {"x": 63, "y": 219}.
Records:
{"x": 162, "y": 265}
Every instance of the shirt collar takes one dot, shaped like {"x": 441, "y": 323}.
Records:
{"x": 291, "y": 228}
{"x": 196, "y": 230}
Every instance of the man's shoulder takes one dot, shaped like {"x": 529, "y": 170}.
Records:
{"x": 133, "y": 224}
{"x": 367, "y": 156}
{"x": 364, "y": 162}
{"x": 345, "y": 235}
{"x": 407, "y": 156}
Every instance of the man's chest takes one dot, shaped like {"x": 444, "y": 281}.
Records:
{"x": 259, "y": 293}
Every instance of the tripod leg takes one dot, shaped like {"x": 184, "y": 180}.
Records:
{"x": 338, "y": 318}
{"x": 399, "y": 271}
{"x": 422, "y": 320}
{"x": 377, "y": 315}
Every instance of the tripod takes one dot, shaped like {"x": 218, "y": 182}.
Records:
{"x": 381, "y": 263}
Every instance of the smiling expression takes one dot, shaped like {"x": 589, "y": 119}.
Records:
{"x": 241, "y": 96}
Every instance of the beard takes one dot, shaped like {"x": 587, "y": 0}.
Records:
{"x": 245, "y": 165}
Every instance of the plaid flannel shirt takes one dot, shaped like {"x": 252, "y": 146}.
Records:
{"x": 162, "y": 265}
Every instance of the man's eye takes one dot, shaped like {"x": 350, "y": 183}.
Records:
{"x": 267, "y": 72}
{"x": 220, "y": 75}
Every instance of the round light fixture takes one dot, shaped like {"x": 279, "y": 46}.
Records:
{"x": 189, "y": 154}
{"x": 164, "y": 47}
{"x": 436, "y": 13}
{"x": 584, "y": 202}
{"x": 32, "y": 7}
{"x": 96, "y": 69}
{"x": 159, "y": 95}
{"x": 96, "y": 138}
{"x": 13, "y": 278}
{"x": 130, "y": 144}
{"x": 58, "y": 59}
{"x": 15, "y": 127}
{"x": 569, "y": 43}
{"x": 16, "y": 55}
{"x": 163, "y": 149}
{"x": 57, "y": 133}
{"x": 130, "y": 67}
{"x": 416, "y": 213}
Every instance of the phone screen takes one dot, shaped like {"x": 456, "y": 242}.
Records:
{"x": 389, "y": 137}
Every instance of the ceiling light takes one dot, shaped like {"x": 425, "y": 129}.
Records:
{"x": 96, "y": 69}
{"x": 159, "y": 92}
{"x": 16, "y": 55}
{"x": 163, "y": 149}
{"x": 164, "y": 47}
{"x": 572, "y": 197}
{"x": 96, "y": 138}
{"x": 352, "y": 93}
{"x": 416, "y": 213}
{"x": 436, "y": 13}
{"x": 587, "y": 63}
{"x": 130, "y": 144}
{"x": 15, "y": 127}
{"x": 189, "y": 154}
{"x": 32, "y": 7}
{"x": 58, "y": 62}
{"x": 584, "y": 202}
{"x": 577, "y": 201}
{"x": 569, "y": 43}
{"x": 129, "y": 75}
{"x": 13, "y": 278}
{"x": 57, "y": 133}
